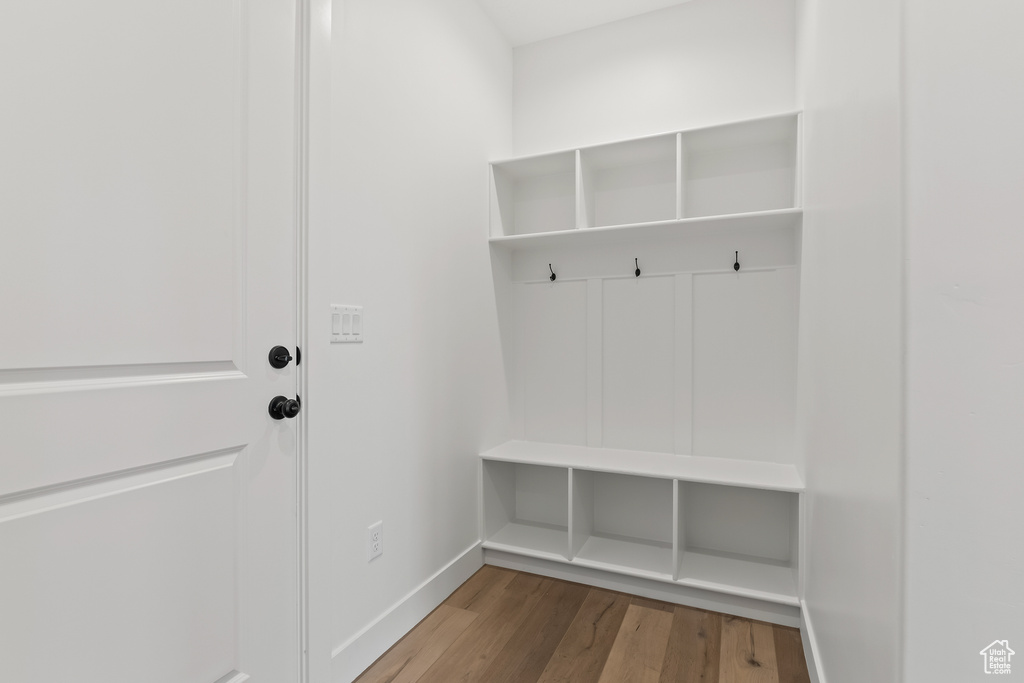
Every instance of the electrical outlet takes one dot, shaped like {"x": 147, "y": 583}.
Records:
{"x": 375, "y": 540}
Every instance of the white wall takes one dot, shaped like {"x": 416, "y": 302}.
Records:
{"x": 702, "y": 62}
{"x": 421, "y": 101}
{"x": 965, "y": 336}
{"x": 851, "y": 356}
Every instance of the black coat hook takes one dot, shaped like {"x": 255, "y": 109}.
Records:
{"x": 553, "y": 276}
{"x": 637, "y": 271}
{"x": 736, "y": 266}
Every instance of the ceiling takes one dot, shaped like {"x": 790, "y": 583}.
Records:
{"x": 527, "y": 21}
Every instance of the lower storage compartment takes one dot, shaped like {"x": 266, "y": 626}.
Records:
{"x": 740, "y": 540}
{"x": 622, "y": 523}
{"x": 526, "y": 509}
{"x": 727, "y": 537}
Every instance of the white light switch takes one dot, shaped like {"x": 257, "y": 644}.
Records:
{"x": 346, "y": 324}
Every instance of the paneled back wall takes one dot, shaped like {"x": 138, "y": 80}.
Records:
{"x": 683, "y": 359}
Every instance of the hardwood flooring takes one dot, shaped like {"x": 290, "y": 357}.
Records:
{"x": 503, "y": 626}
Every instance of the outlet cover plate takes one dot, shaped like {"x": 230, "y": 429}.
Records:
{"x": 375, "y": 540}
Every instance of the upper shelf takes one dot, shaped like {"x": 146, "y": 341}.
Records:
{"x": 749, "y": 167}
{"x": 705, "y": 225}
{"x": 745, "y": 473}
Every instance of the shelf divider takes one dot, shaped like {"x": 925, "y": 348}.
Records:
{"x": 582, "y": 513}
{"x": 678, "y": 528}
{"x": 584, "y": 201}
{"x": 680, "y": 177}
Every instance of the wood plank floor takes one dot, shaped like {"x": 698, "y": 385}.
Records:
{"x": 513, "y": 627}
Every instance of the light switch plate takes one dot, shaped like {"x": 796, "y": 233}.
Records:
{"x": 346, "y": 324}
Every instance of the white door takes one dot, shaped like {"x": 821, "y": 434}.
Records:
{"x": 147, "y": 253}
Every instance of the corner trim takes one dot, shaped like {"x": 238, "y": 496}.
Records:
{"x": 811, "y": 652}
{"x": 353, "y": 656}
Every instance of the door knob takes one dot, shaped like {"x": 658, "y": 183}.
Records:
{"x": 282, "y": 407}
{"x": 279, "y": 357}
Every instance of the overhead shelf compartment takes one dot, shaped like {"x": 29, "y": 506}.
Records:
{"x": 636, "y": 181}
{"x": 746, "y": 167}
{"x": 742, "y": 167}
{"x": 534, "y": 195}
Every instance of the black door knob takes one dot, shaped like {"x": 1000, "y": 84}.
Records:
{"x": 282, "y": 407}
{"x": 279, "y": 357}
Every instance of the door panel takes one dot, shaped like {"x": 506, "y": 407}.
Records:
{"x": 135, "y": 571}
{"x": 79, "y": 431}
{"x": 124, "y": 119}
{"x": 148, "y": 512}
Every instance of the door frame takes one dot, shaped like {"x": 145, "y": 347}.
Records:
{"x": 312, "y": 220}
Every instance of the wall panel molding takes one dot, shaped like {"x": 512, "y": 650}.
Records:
{"x": 48, "y": 498}
{"x": 89, "y": 378}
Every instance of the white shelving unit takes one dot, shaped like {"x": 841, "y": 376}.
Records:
{"x": 653, "y": 417}
{"x": 747, "y": 168}
{"x": 717, "y": 524}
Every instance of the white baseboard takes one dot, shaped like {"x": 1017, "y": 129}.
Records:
{"x": 357, "y": 653}
{"x": 810, "y": 645}
{"x": 749, "y": 608}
